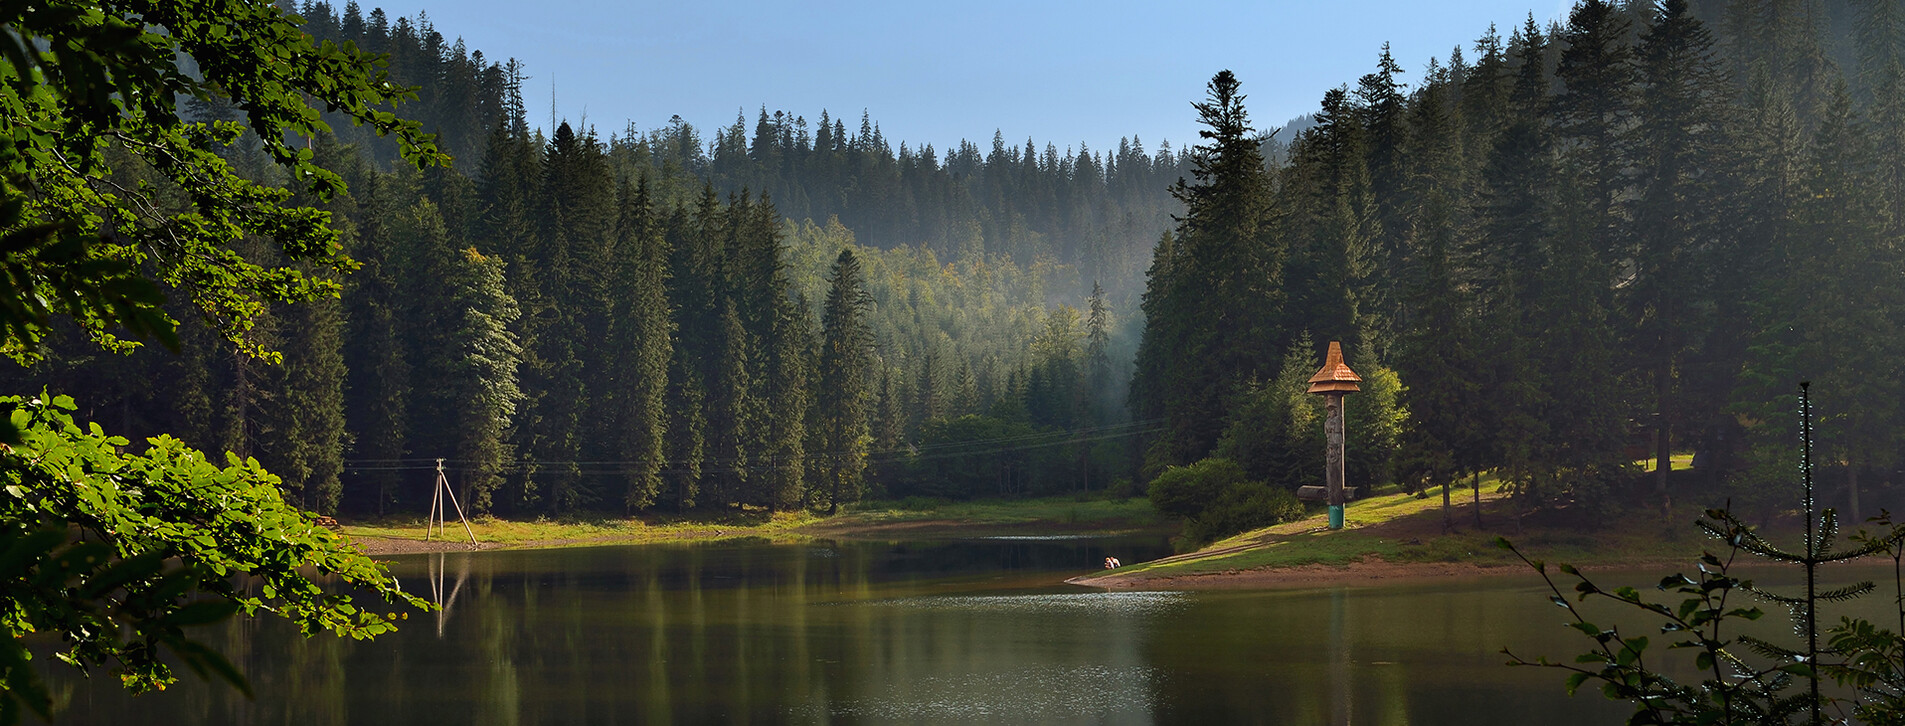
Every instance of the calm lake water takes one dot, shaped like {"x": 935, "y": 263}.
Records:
{"x": 969, "y": 631}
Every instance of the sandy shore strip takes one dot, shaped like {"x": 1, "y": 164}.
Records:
{"x": 1370, "y": 572}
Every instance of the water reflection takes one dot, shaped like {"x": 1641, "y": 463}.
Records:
{"x": 943, "y": 632}
{"x": 441, "y": 594}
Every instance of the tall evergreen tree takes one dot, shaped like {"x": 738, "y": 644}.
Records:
{"x": 377, "y": 389}
{"x": 1098, "y": 371}
{"x": 640, "y": 339}
{"x": 465, "y": 360}
{"x": 840, "y": 435}
{"x": 1213, "y": 299}
{"x": 1678, "y": 134}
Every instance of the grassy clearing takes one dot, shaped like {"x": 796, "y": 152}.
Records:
{"x": 1055, "y": 514}
{"x": 587, "y": 530}
{"x": 1059, "y": 512}
{"x": 1399, "y": 527}
{"x": 1677, "y": 461}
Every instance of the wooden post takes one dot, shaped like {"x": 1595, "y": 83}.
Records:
{"x": 1333, "y": 464}
{"x": 436, "y": 504}
{"x": 1334, "y": 382}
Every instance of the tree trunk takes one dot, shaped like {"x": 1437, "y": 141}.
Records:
{"x": 1477, "y": 486}
{"x": 1852, "y": 489}
{"x": 1448, "y": 515}
{"x": 1514, "y": 499}
{"x": 1663, "y": 439}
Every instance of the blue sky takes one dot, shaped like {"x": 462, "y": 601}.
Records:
{"x": 1063, "y": 72}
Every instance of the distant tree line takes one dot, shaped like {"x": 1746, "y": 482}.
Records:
{"x": 575, "y": 323}
{"x": 1096, "y": 212}
{"x": 1614, "y": 238}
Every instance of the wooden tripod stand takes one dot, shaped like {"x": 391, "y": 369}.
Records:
{"x": 439, "y": 514}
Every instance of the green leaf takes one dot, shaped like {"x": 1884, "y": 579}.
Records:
{"x": 1574, "y": 682}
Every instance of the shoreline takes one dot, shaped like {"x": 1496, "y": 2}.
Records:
{"x": 1372, "y": 572}
{"x": 1054, "y": 517}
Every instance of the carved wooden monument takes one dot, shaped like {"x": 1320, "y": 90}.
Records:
{"x": 1334, "y": 382}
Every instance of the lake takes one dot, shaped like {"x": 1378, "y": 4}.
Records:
{"x": 968, "y": 631}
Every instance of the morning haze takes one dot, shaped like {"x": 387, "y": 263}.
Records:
{"x": 995, "y": 364}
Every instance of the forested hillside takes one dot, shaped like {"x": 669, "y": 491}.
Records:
{"x": 1095, "y": 213}
{"x": 1617, "y": 237}
{"x": 1551, "y": 254}
{"x": 649, "y": 319}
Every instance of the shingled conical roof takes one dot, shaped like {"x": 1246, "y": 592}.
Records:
{"x": 1335, "y": 377}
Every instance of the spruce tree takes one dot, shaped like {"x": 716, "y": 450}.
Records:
{"x": 1508, "y": 253}
{"x": 639, "y": 338}
{"x": 465, "y": 360}
{"x": 1675, "y": 214}
{"x": 1213, "y": 299}
{"x": 377, "y": 389}
{"x": 846, "y": 354}
{"x": 1436, "y": 346}
{"x": 1098, "y": 371}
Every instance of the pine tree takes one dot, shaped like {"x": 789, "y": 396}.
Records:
{"x": 1676, "y": 139}
{"x": 840, "y": 435}
{"x": 465, "y": 360}
{"x": 1098, "y": 372}
{"x": 376, "y": 356}
{"x": 1436, "y": 339}
{"x": 640, "y": 337}
{"x": 1212, "y": 301}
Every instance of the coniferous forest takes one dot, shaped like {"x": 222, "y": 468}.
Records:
{"x": 1576, "y": 247}
{"x": 649, "y": 319}
{"x": 1550, "y": 255}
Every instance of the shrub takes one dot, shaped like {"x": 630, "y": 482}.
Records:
{"x": 1242, "y": 507}
{"x": 1184, "y": 491}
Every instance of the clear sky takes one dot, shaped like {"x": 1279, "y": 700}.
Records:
{"x": 1062, "y": 72}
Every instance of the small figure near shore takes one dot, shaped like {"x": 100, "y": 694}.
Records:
{"x": 1112, "y": 563}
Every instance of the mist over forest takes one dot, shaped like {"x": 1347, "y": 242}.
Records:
{"x": 1552, "y": 253}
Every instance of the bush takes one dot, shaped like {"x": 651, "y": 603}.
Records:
{"x": 1218, "y": 501}
{"x": 1184, "y": 491}
{"x": 1242, "y": 507}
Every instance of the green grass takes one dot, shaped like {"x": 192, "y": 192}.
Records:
{"x": 1677, "y": 461}
{"x": 1088, "y": 512}
{"x": 1400, "y": 527}
{"x": 1053, "y": 514}
{"x": 585, "y": 530}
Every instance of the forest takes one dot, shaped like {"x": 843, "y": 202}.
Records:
{"x": 575, "y": 322}
{"x": 1611, "y": 238}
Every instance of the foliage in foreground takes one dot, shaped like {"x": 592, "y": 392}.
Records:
{"x": 117, "y": 553}
{"x": 1747, "y": 679}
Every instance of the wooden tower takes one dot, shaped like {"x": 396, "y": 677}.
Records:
{"x": 1334, "y": 382}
